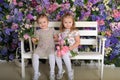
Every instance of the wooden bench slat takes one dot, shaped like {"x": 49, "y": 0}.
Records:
{"x": 88, "y": 41}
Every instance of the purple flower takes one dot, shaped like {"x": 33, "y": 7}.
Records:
{"x": 6, "y": 39}
{"x": 20, "y": 16}
{"x": 15, "y": 35}
{"x": 30, "y": 16}
{"x": 112, "y": 56}
{"x": 79, "y": 2}
{"x": 117, "y": 18}
{"x": 1, "y": 1}
{"x": 0, "y": 9}
{"x": 1, "y": 17}
{"x": 116, "y": 33}
{"x": 101, "y": 6}
{"x": 11, "y": 56}
{"x": 19, "y": 44}
{"x": 46, "y": 2}
{"x": 85, "y": 15}
{"x": 94, "y": 1}
{"x": 1, "y": 38}
{"x": 12, "y": 47}
{"x": 16, "y": 11}
{"x": 94, "y": 17}
{"x": 4, "y": 51}
{"x": 103, "y": 15}
{"x": 111, "y": 41}
{"x": 107, "y": 43}
{"x": 11, "y": 6}
{"x": 6, "y": 5}
{"x": 102, "y": 28}
{"x": 116, "y": 51}
{"x": 15, "y": 41}
{"x": 7, "y": 31}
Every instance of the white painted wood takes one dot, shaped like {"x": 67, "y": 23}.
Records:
{"x": 86, "y": 31}
{"x": 88, "y": 41}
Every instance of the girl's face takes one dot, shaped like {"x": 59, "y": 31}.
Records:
{"x": 43, "y": 22}
{"x": 68, "y": 22}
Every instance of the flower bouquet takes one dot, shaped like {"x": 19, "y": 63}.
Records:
{"x": 63, "y": 47}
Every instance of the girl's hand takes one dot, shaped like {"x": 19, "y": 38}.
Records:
{"x": 35, "y": 40}
{"x": 55, "y": 38}
{"x": 70, "y": 48}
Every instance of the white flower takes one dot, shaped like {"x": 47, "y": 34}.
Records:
{"x": 73, "y": 8}
{"x": 34, "y": 17}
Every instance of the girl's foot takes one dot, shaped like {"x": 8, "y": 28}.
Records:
{"x": 52, "y": 77}
{"x": 60, "y": 76}
{"x": 71, "y": 75}
{"x": 36, "y": 76}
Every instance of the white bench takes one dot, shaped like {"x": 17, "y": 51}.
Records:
{"x": 86, "y": 30}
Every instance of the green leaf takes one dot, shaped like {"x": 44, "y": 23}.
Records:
{"x": 118, "y": 7}
{"x": 117, "y": 62}
{"x": 103, "y": 33}
{"x": 73, "y": 53}
{"x": 71, "y": 3}
{"x": 59, "y": 1}
{"x": 85, "y": 1}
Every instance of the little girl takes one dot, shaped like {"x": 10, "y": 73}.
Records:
{"x": 67, "y": 31}
{"x": 45, "y": 48}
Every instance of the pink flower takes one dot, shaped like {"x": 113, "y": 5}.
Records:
{"x": 116, "y": 13}
{"x": 20, "y": 4}
{"x": 14, "y": 2}
{"x": 58, "y": 17}
{"x": 38, "y": 8}
{"x": 89, "y": 5}
{"x": 108, "y": 33}
{"x": 115, "y": 26}
{"x": 14, "y": 26}
{"x": 65, "y": 6}
{"x": 26, "y": 36}
{"x": 52, "y": 7}
{"x": 101, "y": 22}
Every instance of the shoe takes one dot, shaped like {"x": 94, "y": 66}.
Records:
{"x": 52, "y": 77}
{"x": 71, "y": 75}
{"x": 60, "y": 76}
{"x": 63, "y": 71}
{"x": 36, "y": 76}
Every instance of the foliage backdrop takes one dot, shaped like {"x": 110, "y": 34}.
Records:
{"x": 17, "y": 18}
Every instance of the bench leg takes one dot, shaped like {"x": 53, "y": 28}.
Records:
{"x": 102, "y": 68}
{"x": 23, "y": 69}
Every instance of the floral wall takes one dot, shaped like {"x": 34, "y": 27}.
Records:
{"x": 17, "y": 18}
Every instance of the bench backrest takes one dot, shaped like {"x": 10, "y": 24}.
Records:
{"x": 86, "y": 29}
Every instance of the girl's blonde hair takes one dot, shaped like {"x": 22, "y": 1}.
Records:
{"x": 62, "y": 28}
{"x": 41, "y": 16}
